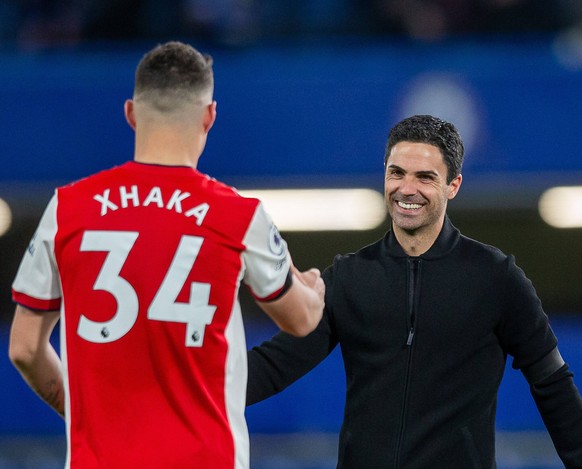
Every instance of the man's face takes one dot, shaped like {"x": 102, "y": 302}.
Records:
{"x": 416, "y": 188}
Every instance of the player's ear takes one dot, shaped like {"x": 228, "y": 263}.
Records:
{"x": 209, "y": 116}
{"x": 129, "y": 114}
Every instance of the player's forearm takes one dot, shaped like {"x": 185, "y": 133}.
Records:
{"x": 307, "y": 312}
{"x": 33, "y": 355}
{"x": 297, "y": 312}
{"x": 300, "y": 309}
{"x": 43, "y": 373}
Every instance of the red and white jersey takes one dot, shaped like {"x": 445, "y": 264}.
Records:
{"x": 145, "y": 263}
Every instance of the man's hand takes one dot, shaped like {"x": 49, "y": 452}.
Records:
{"x": 312, "y": 279}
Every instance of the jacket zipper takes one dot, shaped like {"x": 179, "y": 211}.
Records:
{"x": 413, "y": 271}
{"x": 413, "y": 281}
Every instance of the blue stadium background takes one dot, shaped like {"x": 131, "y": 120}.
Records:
{"x": 315, "y": 113}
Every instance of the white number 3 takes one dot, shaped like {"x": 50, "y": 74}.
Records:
{"x": 196, "y": 314}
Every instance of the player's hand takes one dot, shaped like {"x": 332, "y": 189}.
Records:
{"x": 312, "y": 279}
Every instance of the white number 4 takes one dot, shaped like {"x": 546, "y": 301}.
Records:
{"x": 196, "y": 314}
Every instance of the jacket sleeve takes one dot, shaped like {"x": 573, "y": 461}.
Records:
{"x": 560, "y": 406}
{"x": 527, "y": 335}
{"x": 284, "y": 359}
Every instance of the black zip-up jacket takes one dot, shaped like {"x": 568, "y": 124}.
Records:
{"x": 424, "y": 342}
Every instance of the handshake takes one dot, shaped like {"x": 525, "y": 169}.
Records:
{"x": 299, "y": 310}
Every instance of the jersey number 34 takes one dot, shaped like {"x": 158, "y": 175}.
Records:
{"x": 196, "y": 314}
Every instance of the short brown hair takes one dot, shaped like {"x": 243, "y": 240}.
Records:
{"x": 172, "y": 73}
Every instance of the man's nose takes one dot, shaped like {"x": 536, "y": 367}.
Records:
{"x": 408, "y": 186}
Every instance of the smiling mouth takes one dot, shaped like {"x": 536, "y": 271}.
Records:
{"x": 406, "y": 206}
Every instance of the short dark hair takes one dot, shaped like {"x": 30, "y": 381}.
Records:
{"x": 173, "y": 71}
{"x": 432, "y": 131}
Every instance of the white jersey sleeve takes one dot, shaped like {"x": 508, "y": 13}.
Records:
{"x": 266, "y": 258}
{"x": 37, "y": 282}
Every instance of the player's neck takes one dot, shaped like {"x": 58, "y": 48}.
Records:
{"x": 168, "y": 149}
{"x": 166, "y": 159}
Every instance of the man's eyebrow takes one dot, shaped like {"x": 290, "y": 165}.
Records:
{"x": 427, "y": 172}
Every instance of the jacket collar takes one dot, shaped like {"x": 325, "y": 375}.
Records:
{"x": 445, "y": 242}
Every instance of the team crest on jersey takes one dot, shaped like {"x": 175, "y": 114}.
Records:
{"x": 275, "y": 241}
